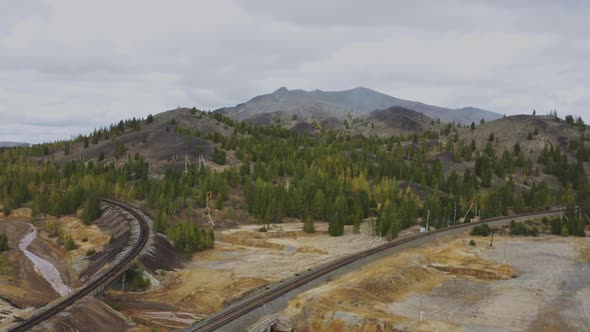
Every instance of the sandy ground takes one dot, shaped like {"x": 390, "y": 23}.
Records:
{"x": 545, "y": 286}
{"x": 244, "y": 261}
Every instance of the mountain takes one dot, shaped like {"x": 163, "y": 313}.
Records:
{"x": 393, "y": 121}
{"x": 316, "y": 105}
{"x": 12, "y": 144}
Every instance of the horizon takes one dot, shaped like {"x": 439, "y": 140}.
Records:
{"x": 106, "y": 125}
{"x": 66, "y": 72}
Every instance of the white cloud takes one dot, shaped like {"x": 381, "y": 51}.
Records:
{"x": 68, "y": 66}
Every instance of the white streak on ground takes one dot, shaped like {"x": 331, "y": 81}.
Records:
{"x": 43, "y": 267}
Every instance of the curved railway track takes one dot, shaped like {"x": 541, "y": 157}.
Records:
{"x": 222, "y": 318}
{"x": 96, "y": 284}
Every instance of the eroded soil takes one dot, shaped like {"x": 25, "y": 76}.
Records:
{"x": 244, "y": 261}
{"x": 544, "y": 286}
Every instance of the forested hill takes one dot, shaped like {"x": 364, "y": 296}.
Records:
{"x": 264, "y": 174}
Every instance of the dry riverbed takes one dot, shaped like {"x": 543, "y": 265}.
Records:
{"x": 36, "y": 270}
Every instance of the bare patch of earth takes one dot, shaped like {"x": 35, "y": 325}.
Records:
{"x": 545, "y": 286}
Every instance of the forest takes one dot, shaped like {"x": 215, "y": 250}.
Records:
{"x": 329, "y": 177}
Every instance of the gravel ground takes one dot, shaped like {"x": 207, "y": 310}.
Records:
{"x": 552, "y": 294}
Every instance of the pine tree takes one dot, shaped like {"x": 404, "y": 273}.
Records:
{"x": 119, "y": 150}
{"x": 319, "y": 204}
{"x": 161, "y": 222}
{"x": 336, "y": 225}
{"x": 91, "y": 209}
{"x": 308, "y": 225}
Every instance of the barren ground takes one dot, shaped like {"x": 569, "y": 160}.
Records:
{"x": 243, "y": 261}
{"x": 22, "y": 289}
{"x": 545, "y": 286}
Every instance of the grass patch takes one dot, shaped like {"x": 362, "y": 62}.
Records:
{"x": 5, "y": 268}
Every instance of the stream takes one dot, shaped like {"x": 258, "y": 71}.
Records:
{"x": 43, "y": 267}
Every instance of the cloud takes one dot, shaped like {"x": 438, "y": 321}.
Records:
{"x": 67, "y": 66}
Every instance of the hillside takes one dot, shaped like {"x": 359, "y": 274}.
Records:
{"x": 155, "y": 141}
{"x": 509, "y": 130}
{"x": 393, "y": 121}
{"x": 307, "y": 104}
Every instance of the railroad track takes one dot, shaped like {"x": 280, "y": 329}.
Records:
{"x": 98, "y": 284}
{"x": 231, "y": 313}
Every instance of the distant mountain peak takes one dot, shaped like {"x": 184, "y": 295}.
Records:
{"x": 362, "y": 88}
{"x": 281, "y": 90}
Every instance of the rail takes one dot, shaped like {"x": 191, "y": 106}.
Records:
{"x": 97, "y": 284}
{"x": 233, "y": 312}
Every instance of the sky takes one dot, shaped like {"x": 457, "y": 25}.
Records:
{"x": 68, "y": 66}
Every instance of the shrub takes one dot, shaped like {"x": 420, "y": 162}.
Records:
{"x": 69, "y": 243}
{"x": 5, "y": 268}
{"x": 3, "y": 242}
{"x": 135, "y": 279}
{"x": 90, "y": 252}
{"x": 564, "y": 231}
{"x": 472, "y": 243}
{"x": 53, "y": 229}
{"x": 6, "y": 208}
{"x": 556, "y": 226}
{"x": 219, "y": 156}
{"x": 519, "y": 228}
{"x": 308, "y": 226}
{"x": 481, "y": 230}
{"x": 189, "y": 238}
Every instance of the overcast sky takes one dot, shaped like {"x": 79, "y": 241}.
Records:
{"x": 67, "y": 67}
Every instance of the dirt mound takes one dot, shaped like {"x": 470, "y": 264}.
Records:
{"x": 87, "y": 314}
{"x": 249, "y": 240}
{"x": 476, "y": 273}
{"x": 115, "y": 224}
{"x": 161, "y": 255}
{"x": 400, "y": 118}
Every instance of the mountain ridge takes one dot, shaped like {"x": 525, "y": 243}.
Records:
{"x": 359, "y": 100}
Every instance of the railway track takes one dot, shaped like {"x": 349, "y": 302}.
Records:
{"x": 97, "y": 284}
{"x": 231, "y": 313}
